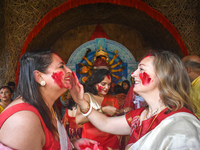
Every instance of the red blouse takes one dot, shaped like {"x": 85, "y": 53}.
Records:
{"x": 51, "y": 143}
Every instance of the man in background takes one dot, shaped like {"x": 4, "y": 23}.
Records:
{"x": 192, "y": 64}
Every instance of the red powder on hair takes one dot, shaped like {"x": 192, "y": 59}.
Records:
{"x": 146, "y": 57}
{"x": 145, "y": 78}
{"x": 59, "y": 57}
{"x": 108, "y": 77}
{"x": 57, "y": 76}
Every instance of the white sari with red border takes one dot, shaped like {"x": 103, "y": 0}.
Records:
{"x": 180, "y": 131}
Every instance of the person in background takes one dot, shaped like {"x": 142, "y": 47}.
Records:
{"x": 31, "y": 121}
{"x": 6, "y": 97}
{"x": 126, "y": 85}
{"x": 120, "y": 95}
{"x": 192, "y": 64}
{"x": 168, "y": 121}
{"x": 74, "y": 130}
{"x": 12, "y": 86}
{"x": 97, "y": 96}
{"x": 63, "y": 100}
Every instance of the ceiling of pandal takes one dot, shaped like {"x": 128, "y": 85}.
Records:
{"x": 152, "y": 31}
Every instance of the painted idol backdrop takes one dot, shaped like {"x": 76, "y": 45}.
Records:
{"x": 102, "y": 53}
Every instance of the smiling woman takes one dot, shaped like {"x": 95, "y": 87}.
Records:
{"x": 97, "y": 95}
{"x": 166, "y": 92}
{"x": 43, "y": 78}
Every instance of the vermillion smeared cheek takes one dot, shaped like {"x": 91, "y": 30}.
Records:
{"x": 100, "y": 88}
{"x": 144, "y": 78}
{"x": 58, "y": 76}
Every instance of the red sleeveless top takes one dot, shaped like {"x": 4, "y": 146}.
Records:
{"x": 51, "y": 143}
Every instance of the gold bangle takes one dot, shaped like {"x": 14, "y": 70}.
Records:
{"x": 101, "y": 110}
{"x": 84, "y": 111}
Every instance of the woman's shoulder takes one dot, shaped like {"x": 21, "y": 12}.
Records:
{"x": 87, "y": 96}
{"x": 22, "y": 125}
{"x": 21, "y": 113}
{"x": 135, "y": 112}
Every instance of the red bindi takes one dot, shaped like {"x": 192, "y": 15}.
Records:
{"x": 57, "y": 76}
{"x": 144, "y": 78}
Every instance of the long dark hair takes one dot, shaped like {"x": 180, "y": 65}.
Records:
{"x": 28, "y": 88}
{"x": 128, "y": 83}
{"x": 71, "y": 104}
{"x": 96, "y": 77}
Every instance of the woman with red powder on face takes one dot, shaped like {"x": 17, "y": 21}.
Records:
{"x": 96, "y": 94}
{"x": 32, "y": 121}
{"x": 168, "y": 121}
{"x": 6, "y": 97}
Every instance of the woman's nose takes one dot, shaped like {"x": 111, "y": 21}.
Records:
{"x": 134, "y": 74}
{"x": 107, "y": 86}
{"x": 68, "y": 70}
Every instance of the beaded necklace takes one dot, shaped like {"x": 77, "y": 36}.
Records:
{"x": 151, "y": 114}
{"x": 152, "y": 120}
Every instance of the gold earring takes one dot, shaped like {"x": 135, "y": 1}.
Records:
{"x": 43, "y": 83}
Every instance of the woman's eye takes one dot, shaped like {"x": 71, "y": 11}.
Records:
{"x": 141, "y": 69}
{"x": 103, "y": 84}
{"x": 62, "y": 66}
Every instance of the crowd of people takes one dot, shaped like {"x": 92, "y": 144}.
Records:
{"x": 159, "y": 111}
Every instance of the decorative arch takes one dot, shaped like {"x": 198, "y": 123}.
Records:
{"x": 55, "y": 12}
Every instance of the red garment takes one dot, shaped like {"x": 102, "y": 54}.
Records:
{"x": 133, "y": 116}
{"x": 129, "y": 98}
{"x": 106, "y": 140}
{"x": 74, "y": 130}
{"x": 51, "y": 143}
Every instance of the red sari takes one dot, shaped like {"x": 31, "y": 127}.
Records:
{"x": 74, "y": 130}
{"x": 51, "y": 143}
{"x": 137, "y": 131}
{"x": 107, "y": 141}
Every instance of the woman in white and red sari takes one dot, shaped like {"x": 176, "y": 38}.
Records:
{"x": 168, "y": 121}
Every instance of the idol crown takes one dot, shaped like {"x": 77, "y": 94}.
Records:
{"x": 101, "y": 52}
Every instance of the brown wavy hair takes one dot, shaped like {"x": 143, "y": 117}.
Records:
{"x": 174, "y": 83}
